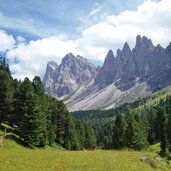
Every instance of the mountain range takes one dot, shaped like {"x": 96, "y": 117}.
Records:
{"x": 131, "y": 74}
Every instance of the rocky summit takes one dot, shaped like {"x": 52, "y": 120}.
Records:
{"x": 125, "y": 77}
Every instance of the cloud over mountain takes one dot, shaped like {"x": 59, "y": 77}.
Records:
{"x": 151, "y": 19}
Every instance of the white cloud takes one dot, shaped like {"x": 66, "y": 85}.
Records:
{"x": 6, "y": 41}
{"x": 95, "y": 11}
{"x": 151, "y": 19}
{"x": 20, "y": 39}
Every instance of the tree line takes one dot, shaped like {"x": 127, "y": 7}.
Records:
{"x": 41, "y": 120}
{"x": 38, "y": 119}
{"x": 132, "y": 127}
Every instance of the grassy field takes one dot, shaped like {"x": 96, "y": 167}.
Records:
{"x": 155, "y": 98}
{"x": 15, "y": 157}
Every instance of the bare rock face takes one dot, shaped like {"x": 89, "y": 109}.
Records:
{"x": 106, "y": 74}
{"x": 48, "y": 80}
{"x": 142, "y": 52}
{"x": 159, "y": 73}
{"x": 72, "y": 72}
{"x": 129, "y": 75}
{"x": 120, "y": 68}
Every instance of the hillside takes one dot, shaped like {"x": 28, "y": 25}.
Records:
{"x": 147, "y": 100}
{"x": 13, "y": 158}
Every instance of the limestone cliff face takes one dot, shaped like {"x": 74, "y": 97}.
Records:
{"x": 71, "y": 73}
{"x": 124, "y": 77}
{"x": 106, "y": 74}
{"x": 48, "y": 80}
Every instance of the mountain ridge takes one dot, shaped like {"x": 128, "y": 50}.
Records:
{"x": 130, "y": 74}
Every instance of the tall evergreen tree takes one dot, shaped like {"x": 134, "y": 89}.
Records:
{"x": 6, "y": 93}
{"x": 163, "y": 136}
{"x": 119, "y": 131}
{"x": 90, "y": 140}
{"x": 32, "y": 124}
{"x": 140, "y": 133}
{"x": 70, "y": 137}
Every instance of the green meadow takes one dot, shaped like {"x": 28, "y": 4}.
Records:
{"x": 15, "y": 157}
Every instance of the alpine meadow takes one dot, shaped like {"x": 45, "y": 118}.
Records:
{"x": 85, "y": 85}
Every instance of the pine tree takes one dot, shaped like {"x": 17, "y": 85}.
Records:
{"x": 32, "y": 123}
{"x": 107, "y": 135}
{"x": 158, "y": 124}
{"x": 119, "y": 132}
{"x": 140, "y": 133}
{"x": 90, "y": 141}
{"x": 163, "y": 136}
{"x": 70, "y": 136}
{"x": 59, "y": 117}
{"x": 6, "y": 96}
{"x": 80, "y": 133}
{"x": 130, "y": 128}
{"x": 50, "y": 107}
{"x": 168, "y": 128}
{"x": 151, "y": 115}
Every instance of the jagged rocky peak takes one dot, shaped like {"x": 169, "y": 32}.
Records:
{"x": 110, "y": 54}
{"x": 168, "y": 48}
{"x": 52, "y": 64}
{"x": 109, "y": 60}
{"x": 125, "y": 54}
{"x": 132, "y": 73}
{"x": 118, "y": 52}
{"x": 70, "y": 74}
{"x": 142, "y": 52}
{"x": 106, "y": 74}
{"x": 81, "y": 58}
{"x": 68, "y": 59}
{"x": 126, "y": 48}
{"x": 143, "y": 42}
{"x": 50, "y": 70}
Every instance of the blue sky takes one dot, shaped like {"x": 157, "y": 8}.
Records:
{"x": 37, "y": 18}
{"x": 33, "y": 32}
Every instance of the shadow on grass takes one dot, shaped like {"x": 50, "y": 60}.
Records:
{"x": 2, "y": 128}
{"x": 12, "y": 135}
{"x": 16, "y": 139}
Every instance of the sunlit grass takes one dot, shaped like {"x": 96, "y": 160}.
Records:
{"x": 14, "y": 157}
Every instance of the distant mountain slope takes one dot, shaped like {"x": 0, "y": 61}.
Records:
{"x": 152, "y": 99}
{"x": 124, "y": 78}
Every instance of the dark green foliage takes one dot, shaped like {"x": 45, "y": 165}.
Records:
{"x": 107, "y": 135}
{"x": 41, "y": 120}
{"x": 6, "y": 93}
{"x": 38, "y": 119}
{"x": 32, "y": 126}
{"x": 132, "y": 128}
{"x": 163, "y": 136}
{"x": 90, "y": 141}
{"x": 150, "y": 116}
{"x": 168, "y": 128}
{"x": 70, "y": 135}
{"x": 80, "y": 128}
{"x": 120, "y": 132}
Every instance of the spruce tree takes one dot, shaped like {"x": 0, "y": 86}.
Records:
{"x": 6, "y": 95}
{"x": 168, "y": 128}
{"x": 140, "y": 133}
{"x": 90, "y": 140}
{"x": 163, "y": 136}
{"x": 70, "y": 136}
{"x": 80, "y": 133}
{"x": 119, "y": 132}
{"x": 32, "y": 123}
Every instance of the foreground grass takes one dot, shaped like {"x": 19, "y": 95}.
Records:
{"x": 15, "y": 157}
